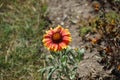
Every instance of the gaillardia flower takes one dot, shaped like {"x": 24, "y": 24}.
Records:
{"x": 57, "y": 39}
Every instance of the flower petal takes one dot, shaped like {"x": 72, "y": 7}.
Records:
{"x": 48, "y": 34}
{"x": 47, "y": 44}
{"x": 58, "y": 29}
{"x": 65, "y": 32}
{"x": 62, "y": 45}
{"x": 55, "y": 47}
{"x": 46, "y": 40}
{"x": 67, "y": 39}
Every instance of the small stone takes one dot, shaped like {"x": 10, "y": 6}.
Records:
{"x": 74, "y": 21}
{"x": 62, "y": 23}
{"x": 64, "y": 17}
{"x": 58, "y": 18}
{"x": 67, "y": 26}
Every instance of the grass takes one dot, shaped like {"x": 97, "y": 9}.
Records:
{"x": 21, "y": 29}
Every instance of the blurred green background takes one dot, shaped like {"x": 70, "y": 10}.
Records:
{"x": 21, "y": 29}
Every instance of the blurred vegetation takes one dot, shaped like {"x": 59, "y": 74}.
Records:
{"x": 103, "y": 31}
{"x": 108, "y": 27}
{"x": 21, "y": 28}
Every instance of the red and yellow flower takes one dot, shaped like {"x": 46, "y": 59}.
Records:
{"x": 57, "y": 39}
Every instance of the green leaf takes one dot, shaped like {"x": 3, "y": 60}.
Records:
{"x": 43, "y": 70}
{"x": 72, "y": 77}
{"x": 75, "y": 67}
{"x": 49, "y": 77}
{"x": 63, "y": 59}
{"x": 80, "y": 54}
{"x": 81, "y": 51}
{"x": 68, "y": 50}
{"x": 72, "y": 54}
{"x": 72, "y": 60}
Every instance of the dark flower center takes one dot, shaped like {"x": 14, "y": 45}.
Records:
{"x": 57, "y": 37}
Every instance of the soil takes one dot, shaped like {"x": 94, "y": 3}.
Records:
{"x": 69, "y": 13}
